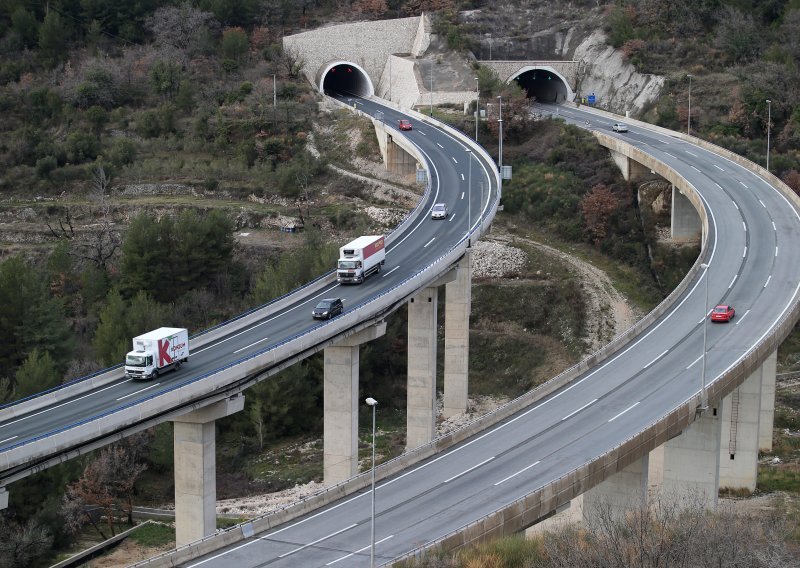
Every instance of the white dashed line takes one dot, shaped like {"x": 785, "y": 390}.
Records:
{"x": 743, "y": 184}
{"x": 657, "y": 358}
{"x": 718, "y": 185}
{"x": 671, "y": 155}
{"x": 360, "y": 550}
{"x": 429, "y": 242}
{"x": 466, "y": 471}
{"x": 744, "y": 254}
{"x": 462, "y": 195}
{"x": 12, "y": 437}
{"x": 744, "y": 226}
{"x": 137, "y": 392}
{"x": 762, "y": 204}
{"x": 462, "y": 177}
{"x": 624, "y": 411}
{"x": 516, "y": 474}
{"x": 776, "y": 251}
{"x": 734, "y": 204}
{"x": 768, "y": 279}
{"x": 774, "y": 228}
{"x": 695, "y": 168}
{"x": 254, "y": 343}
{"x": 454, "y": 159}
{"x": 392, "y": 270}
{"x": 744, "y": 316}
{"x": 732, "y": 281}
{"x": 698, "y": 359}
{"x": 719, "y": 168}
{"x": 440, "y": 146}
{"x": 571, "y": 414}
{"x": 691, "y": 153}
{"x": 316, "y": 541}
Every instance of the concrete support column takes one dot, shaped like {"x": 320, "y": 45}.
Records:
{"x": 195, "y": 470}
{"x": 458, "y": 303}
{"x": 421, "y": 395}
{"x": 399, "y": 161}
{"x": 685, "y": 223}
{"x": 3, "y": 498}
{"x": 691, "y": 460}
{"x": 741, "y": 413}
{"x": 631, "y": 169}
{"x": 767, "y": 416}
{"x": 340, "y": 400}
{"x": 623, "y": 491}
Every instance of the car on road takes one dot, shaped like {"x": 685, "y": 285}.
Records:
{"x": 404, "y": 124}
{"x": 619, "y": 127}
{"x": 439, "y": 211}
{"x": 723, "y": 313}
{"x": 327, "y": 308}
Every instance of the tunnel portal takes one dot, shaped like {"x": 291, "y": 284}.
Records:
{"x": 347, "y": 79}
{"x": 543, "y": 85}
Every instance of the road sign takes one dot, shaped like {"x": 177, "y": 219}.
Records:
{"x": 592, "y": 99}
{"x": 505, "y": 172}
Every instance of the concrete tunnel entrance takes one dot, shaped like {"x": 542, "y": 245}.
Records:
{"x": 345, "y": 78}
{"x": 543, "y": 85}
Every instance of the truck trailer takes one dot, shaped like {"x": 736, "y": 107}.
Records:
{"x": 156, "y": 352}
{"x": 360, "y": 258}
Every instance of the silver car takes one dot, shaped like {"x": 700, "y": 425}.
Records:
{"x": 619, "y": 127}
{"x": 439, "y": 211}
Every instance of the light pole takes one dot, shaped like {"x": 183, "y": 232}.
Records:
{"x": 431, "y": 88}
{"x": 373, "y": 403}
{"x": 703, "y": 394}
{"x": 477, "y": 107}
{"x": 689, "y": 118}
{"x": 469, "y": 196}
{"x": 769, "y": 125}
{"x": 500, "y": 153}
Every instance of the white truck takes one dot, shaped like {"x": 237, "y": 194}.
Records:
{"x": 360, "y": 258}
{"x": 157, "y": 351}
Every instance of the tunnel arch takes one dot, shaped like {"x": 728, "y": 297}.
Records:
{"x": 344, "y": 77}
{"x": 544, "y": 83}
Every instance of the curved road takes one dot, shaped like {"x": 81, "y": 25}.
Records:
{"x": 753, "y": 265}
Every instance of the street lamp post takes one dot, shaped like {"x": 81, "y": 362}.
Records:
{"x": 469, "y": 195}
{"x": 431, "y": 87}
{"x": 500, "y": 153}
{"x": 703, "y": 393}
{"x": 373, "y": 403}
{"x": 477, "y": 107}
{"x": 769, "y": 125}
{"x": 689, "y": 118}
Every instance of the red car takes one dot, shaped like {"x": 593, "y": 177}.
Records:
{"x": 723, "y": 313}
{"x": 404, "y": 124}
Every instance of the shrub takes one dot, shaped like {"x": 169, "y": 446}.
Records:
{"x": 81, "y": 146}
{"x": 46, "y": 165}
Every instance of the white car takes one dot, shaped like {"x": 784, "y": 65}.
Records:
{"x": 619, "y": 127}
{"x": 439, "y": 211}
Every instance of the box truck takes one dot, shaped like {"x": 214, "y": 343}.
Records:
{"x": 156, "y": 352}
{"x": 360, "y": 258}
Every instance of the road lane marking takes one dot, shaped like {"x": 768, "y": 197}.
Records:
{"x": 695, "y": 168}
{"x": 718, "y": 185}
{"x": 691, "y": 153}
{"x": 696, "y": 360}
{"x": 732, "y": 281}
{"x": 462, "y": 195}
{"x": 657, "y": 358}
{"x": 8, "y": 439}
{"x": 744, "y": 226}
{"x": 64, "y": 403}
{"x": 624, "y": 411}
{"x": 671, "y": 155}
{"x": 317, "y": 541}
{"x": 462, "y": 177}
{"x": 768, "y": 279}
{"x": 719, "y": 168}
{"x": 571, "y": 414}
{"x": 516, "y": 474}
{"x": 429, "y": 242}
{"x": 744, "y": 254}
{"x": 743, "y": 184}
{"x": 776, "y": 251}
{"x": 744, "y": 316}
{"x": 440, "y": 146}
{"x": 468, "y": 470}
{"x": 392, "y": 270}
{"x": 774, "y": 228}
{"x": 451, "y": 217}
{"x": 762, "y": 204}
{"x": 359, "y": 550}
{"x": 735, "y": 205}
{"x": 137, "y": 392}
{"x": 454, "y": 159}
{"x": 249, "y": 346}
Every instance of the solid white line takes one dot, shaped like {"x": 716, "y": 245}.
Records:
{"x": 696, "y": 360}
{"x": 732, "y": 281}
{"x": 571, "y": 414}
{"x": 624, "y": 411}
{"x": 392, "y": 270}
{"x": 317, "y": 541}
{"x": 743, "y": 184}
{"x": 741, "y": 318}
{"x": 254, "y": 343}
{"x": 454, "y": 159}
{"x": 516, "y": 474}
{"x": 429, "y": 242}
{"x": 657, "y": 358}
{"x": 762, "y": 204}
{"x": 695, "y": 168}
{"x": 744, "y": 254}
{"x": 468, "y": 470}
{"x": 63, "y": 404}
{"x": 719, "y": 168}
{"x": 137, "y": 392}
{"x": 359, "y": 550}
{"x": 768, "y": 279}
{"x": 8, "y": 439}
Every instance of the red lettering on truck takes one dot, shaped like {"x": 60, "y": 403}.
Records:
{"x": 163, "y": 356}
{"x": 373, "y": 248}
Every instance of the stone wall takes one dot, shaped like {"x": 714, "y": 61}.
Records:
{"x": 367, "y": 44}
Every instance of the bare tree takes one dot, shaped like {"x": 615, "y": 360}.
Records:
{"x": 23, "y": 545}
{"x": 178, "y": 28}
{"x": 291, "y": 61}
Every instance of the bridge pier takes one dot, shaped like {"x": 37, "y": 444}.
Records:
{"x": 685, "y": 222}
{"x": 767, "y": 414}
{"x": 195, "y": 469}
{"x": 630, "y": 168}
{"x": 3, "y": 498}
{"x": 340, "y": 401}
{"x": 741, "y": 413}
{"x": 421, "y": 390}
{"x": 620, "y": 493}
{"x": 395, "y": 157}
{"x": 458, "y": 303}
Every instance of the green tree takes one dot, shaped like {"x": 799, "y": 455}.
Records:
{"x": 52, "y": 39}
{"x": 165, "y": 78}
{"x": 184, "y": 98}
{"x": 235, "y": 44}
{"x": 37, "y": 373}
{"x": 24, "y": 24}
{"x": 111, "y": 339}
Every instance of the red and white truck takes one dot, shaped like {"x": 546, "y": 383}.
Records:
{"x": 157, "y": 351}
{"x": 360, "y": 258}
